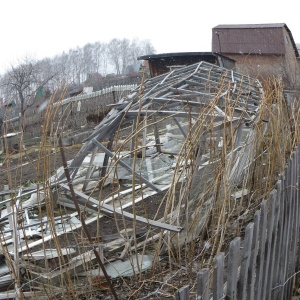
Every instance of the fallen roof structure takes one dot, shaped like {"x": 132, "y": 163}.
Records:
{"x": 150, "y": 141}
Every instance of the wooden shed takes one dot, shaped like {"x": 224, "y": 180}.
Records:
{"x": 163, "y": 63}
{"x": 260, "y": 50}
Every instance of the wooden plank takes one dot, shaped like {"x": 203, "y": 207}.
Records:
{"x": 218, "y": 276}
{"x": 280, "y": 231}
{"x": 298, "y": 212}
{"x": 270, "y": 229}
{"x": 232, "y": 268}
{"x": 203, "y": 284}
{"x": 245, "y": 262}
{"x": 291, "y": 221}
{"x": 294, "y": 224}
{"x": 182, "y": 293}
{"x": 254, "y": 251}
{"x": 261, "y": 252}
{"x": 285, "y": 240}
{"x": 294, "y": 233}
{"x": 274, "y": 245}
{"x": 94, "y": 204}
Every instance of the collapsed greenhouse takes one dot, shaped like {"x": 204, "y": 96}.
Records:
{"x": 187, "y": 135}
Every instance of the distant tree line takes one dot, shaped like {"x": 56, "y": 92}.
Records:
{"x": 32, "y": 79}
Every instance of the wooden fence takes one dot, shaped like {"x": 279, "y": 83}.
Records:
{"x": 74, "y": 110}
{"x": 265, "y": 263}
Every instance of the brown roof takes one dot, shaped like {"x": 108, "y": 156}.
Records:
{"x": 251, "y": 39}
{"x": 272, "y": 25}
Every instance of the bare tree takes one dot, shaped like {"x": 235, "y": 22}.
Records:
{"x": 100, "y": 58}
{"x": 123, "y": 52}
{"x": 23, "y": 82}
{"x": 114, "y": 53}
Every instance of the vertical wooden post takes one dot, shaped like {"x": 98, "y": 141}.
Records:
{"x": 218, "y": 276}
{"x": 203, "y": 284}
{"x": 245, "y": 262}
{"x": 261, "y": 252}
{"x": 269, "y": 237}
{"x": 232, "y": 269}
{"x": 183, "y": 293}
{"x": 254, "y": 250}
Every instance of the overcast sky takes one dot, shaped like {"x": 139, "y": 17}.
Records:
{"x": 40, "y": 28}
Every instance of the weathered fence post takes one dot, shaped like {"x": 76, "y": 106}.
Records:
{"x": 182, "y": 293}
{"x": 218, "y": 277}
{"x": 245, "y": 262}
{"x": 203, "y": 284}
{"x": 232, "y": 269}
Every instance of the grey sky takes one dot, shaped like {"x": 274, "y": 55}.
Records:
{"x": 40, "y": 28}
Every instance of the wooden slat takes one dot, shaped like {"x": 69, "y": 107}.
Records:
{"x": 182, "y": 293}
{"x": 232, "y": 268}
{"x": 298, "y": 211}
{"x": 218, "y": 276}
{"x": 285, "y": 240}
{"x": 273, "y": 266}
{"x": 280, "y": 232}
{"x": 254, "y": 251}
{"x": 294, "y": 225}
{"x": 245, "y": 262}
{"x": 270, "y": 228}
{"x": 261, "y": 252}
{"x": 203, "y": 284}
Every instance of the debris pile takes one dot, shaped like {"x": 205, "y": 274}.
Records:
{"x": 173, "y": 129}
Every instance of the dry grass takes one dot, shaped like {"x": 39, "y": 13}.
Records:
{"x": 204, "y": 206}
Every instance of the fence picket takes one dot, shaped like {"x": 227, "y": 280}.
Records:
{"x": 298, "y": 211}
{"x": 294, "y": 225}
{"x": 286, "y": 235}
{"x": 232, "y": 271}
{"x": 245, "y": 262}
{"x": 270, "y": 256}
{"x": 269, "y": 238}
{"x": 203, "y": 284}
{"x": 261, "y": 252}
{"x": 218, "y": 277}
{"x": 254, "y": 252}
{"x": 274, "y": 258}
{"x": 182, "y": 293}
